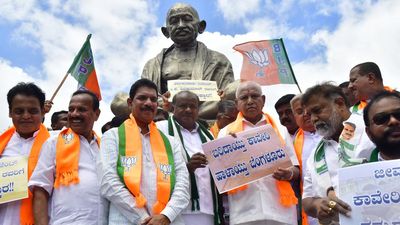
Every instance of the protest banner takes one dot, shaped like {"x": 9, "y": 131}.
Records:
{"x": 252, "y": 155}
{"x": 205, "y": 89}
{"x": 14, "y": 179}
{"x": 373, "y": 193}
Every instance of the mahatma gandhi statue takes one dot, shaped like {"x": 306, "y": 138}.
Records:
{"x": 187, "y": 58}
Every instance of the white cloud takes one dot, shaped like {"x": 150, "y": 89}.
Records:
{"x": 59, "y": 28}
{"x": 235, "y": 10}
{"x": 125, "y": 36}
{"x": 368, "y": 36}
{"x": 10, "y": 76}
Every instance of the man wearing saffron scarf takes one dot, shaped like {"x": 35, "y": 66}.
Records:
{"x": 66, "y": 176}
{"x": 24, "y": 138}
{"x": 203, "y": 209}
{"x": 305, "y": 141}
{"x": 143, "y": 174}
{"x": 365, "y": 81}
{"x": 270, "y": 200}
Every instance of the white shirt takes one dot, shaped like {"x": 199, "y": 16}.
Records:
{"x": 193, "y": 143}
{"x": 310, "y": 143}
{"x": 260, "y": 201}
{"x": 313, "y": 185}
{"x": 17, "y": 146}
{"x": 123, "y": 209}
{"x": 76, "y": 203}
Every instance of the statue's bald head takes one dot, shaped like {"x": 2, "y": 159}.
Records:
{"x": 183, "y": 25}
{"x": 182, "y": 7}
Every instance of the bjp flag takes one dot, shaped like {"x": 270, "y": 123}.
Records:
{"x": 82, "y": 69}
{"x": 265, "y": 62}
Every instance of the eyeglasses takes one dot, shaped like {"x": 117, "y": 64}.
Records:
{"x": 383, "y": 118}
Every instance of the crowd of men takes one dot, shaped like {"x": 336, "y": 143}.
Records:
{"x": 149, "y": 166}
{"x": 147, "y": 172}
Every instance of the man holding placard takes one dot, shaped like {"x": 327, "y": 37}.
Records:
{"x": 203, "y": 209}
{"x": 269, "y": 200}
{"x": 23, "y": 139}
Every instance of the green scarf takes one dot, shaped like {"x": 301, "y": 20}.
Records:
{"x": 203, "y": 133}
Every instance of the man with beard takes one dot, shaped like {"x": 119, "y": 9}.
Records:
{"x": 365, "y": 81}
{"x": 382, "y": 121}
{"x": 285, "y": 114}
{"x": 187, "y": 58}
{"x": 328, "y": 108}
{"x": 269, "y": 200}
{"x": 203, "y": 209}
{"x": 143, "y": 174}
{"x": 65, "y": 185}
{"x": 305, "y": 141}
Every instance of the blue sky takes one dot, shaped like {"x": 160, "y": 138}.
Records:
{"x": 324, "y": 39}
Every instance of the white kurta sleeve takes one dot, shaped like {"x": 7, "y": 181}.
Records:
{"x": 111, "y": 186}
{"x": 180, "y": 196}
{"x": 43, "y": 175}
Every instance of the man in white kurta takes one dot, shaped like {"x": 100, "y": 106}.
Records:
{"x": 183, "y": 126}
{"x": 328, "y": 108}
{"x": 259, "y": 204}
{"x": 73, "y": 202}
{"x": 26, "y": 109}
{"x": 123, "y": 206}
{"x": 305, "y": 141}
{"x": 122, "y": 203}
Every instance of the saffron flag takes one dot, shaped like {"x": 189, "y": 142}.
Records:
{"x": 265, "y": 62}
{"x": 82, "y": 69}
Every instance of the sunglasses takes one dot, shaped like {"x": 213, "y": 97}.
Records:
{"x": 383, "y": 118}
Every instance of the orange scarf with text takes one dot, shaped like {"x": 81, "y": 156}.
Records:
{"x": 26, "y": 212}
{"x": 67, "y": 158}
{"x": 129, "y": 164}
{"x": 286, "y": 193}
{"x": 298, "y": 147}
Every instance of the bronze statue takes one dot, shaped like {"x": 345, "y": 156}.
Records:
{"x": 188, "y": 58}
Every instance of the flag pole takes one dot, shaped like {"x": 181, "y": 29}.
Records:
{"x": 290, "y": 66}
{"x": 58, "y": 88}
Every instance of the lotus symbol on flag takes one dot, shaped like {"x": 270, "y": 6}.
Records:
{"x": 259, "y": 57}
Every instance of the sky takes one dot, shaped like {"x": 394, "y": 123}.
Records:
{"x": 324, "y": 40}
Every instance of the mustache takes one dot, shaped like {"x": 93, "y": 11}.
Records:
{"x": 391, "y": 130}
{"x": 147, "y": 108}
